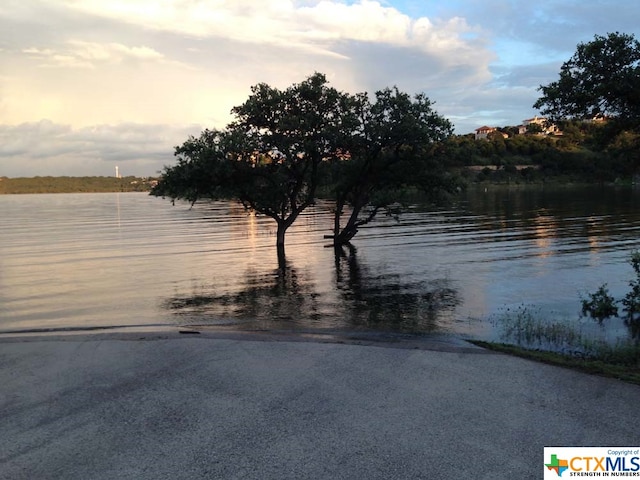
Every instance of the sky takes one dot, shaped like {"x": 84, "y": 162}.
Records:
{"x": 88, "y": 85}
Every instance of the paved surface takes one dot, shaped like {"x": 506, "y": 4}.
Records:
{"x": 170, "y": 406}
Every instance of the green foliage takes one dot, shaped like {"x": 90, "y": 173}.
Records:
{"x": 291, "y": 132}
{"x": 526, "y": 327}
{"x": 600, "y": 305}
{"x": 392, "y": 148}
{"x": 534, "y": 129}
{"x": 268, "y": 158}
{"x": 621, "y": 362}
{"x": 463, "y": 150}
{"x": 601, "y": 78}
{"x": 586, "y": 152}
{"x": 201, "y": 171}
{"x": 631, "y": 301}
{"x": 284, "y": 144}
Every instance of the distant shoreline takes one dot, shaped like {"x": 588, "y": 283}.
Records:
{"x": 49, "y": 184}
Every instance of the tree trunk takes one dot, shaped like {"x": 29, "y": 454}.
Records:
{"x": 344, "y": 236}
{"x": 337, "y": 215}
{"x": 283, "y": 225}
{"x": 282, "y": 229}
{"x": 282, "y": 259}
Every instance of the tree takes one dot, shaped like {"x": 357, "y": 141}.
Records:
{"x": 294, "y": 130}
{"x": 535, "y": 129}
{"x": 391, "y": 149}
{"x": 268, "y": 158}
{"x": 202, "y": 171}
{"x": 283, "y": 143}
{"x": 602, "y": 78}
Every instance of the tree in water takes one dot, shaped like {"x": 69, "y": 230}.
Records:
{"x": 268, "y": 158}
{"x": 284, "y": 143}
{"x": 393, "y": 148}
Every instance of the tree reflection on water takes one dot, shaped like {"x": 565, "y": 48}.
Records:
{"x": 287, "y": 299}
{"x": 385, "y": 301}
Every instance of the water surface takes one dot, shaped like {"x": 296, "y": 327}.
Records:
{"x": 94, "y": 260}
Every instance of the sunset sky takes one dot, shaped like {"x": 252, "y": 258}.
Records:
{"x": 86, "y": 85}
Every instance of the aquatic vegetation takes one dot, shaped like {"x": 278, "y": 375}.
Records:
{"x": 631, "y": 301}
{"x": 526, "y": 327}
{"x": 600, "y": 305}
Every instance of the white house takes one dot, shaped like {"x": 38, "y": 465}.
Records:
{"x": 547, "y": 129}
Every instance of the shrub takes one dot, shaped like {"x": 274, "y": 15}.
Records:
{"x": 631, "y": 301}
{"x": 600, "y": 305}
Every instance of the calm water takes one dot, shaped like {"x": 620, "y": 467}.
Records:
{"x": 92, "y": 260}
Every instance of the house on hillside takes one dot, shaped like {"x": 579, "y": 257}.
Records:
{"x": 482, "y": 133}
{"x": 546, "y": 128}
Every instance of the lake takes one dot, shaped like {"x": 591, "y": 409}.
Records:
{"x": 81, "y": 261}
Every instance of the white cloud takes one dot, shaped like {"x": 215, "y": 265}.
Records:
{"x": 48, "y": 148}
{"x": 218, "y": 49}
{"x": 282, "y": 23}
{"x": 257, "y": 20}
{"x": 112, "y": 52}
{"x": 365, "y": 21}
{"x": 81, "y": 54}
{"x": 83, "y": 63}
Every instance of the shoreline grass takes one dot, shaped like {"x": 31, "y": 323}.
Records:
{"x": 527, "y": 332}
{"x": 594, "y": 366}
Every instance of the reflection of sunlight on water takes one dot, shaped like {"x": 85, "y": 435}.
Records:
{"x": 594, "y": 241}
{"x": 252, "y": 229}
{"x": 544, "y": 228}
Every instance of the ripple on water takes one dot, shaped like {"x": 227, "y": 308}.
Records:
{"x": 91, "y": 260}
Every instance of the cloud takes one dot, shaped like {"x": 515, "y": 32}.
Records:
{"x": 81, "y": 54}
{"x": 96, "y": 65}
{"x": 320, "y": 28}
{"x": 190, "y": 61}
{"x": 47, "y": 148}
{"x": 548, "y": 29}
{"x": 528, "y": 76}
{"x": 316, "y": 27}
{"x": 112, "y": 52}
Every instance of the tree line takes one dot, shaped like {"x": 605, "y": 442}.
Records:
{"x": 365, "y": 152}
{"x": 589, "y": 152}
{"x": 25, "y": 185}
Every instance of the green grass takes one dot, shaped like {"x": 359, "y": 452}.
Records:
{"x": 626, "y": 372}
{"x": 526, "y": 333}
